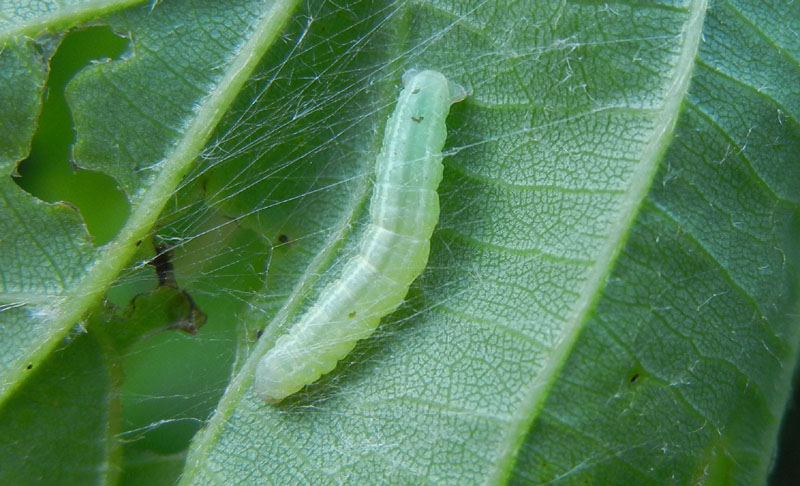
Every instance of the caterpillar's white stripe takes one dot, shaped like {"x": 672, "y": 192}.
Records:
{"x": 393, "y": 251}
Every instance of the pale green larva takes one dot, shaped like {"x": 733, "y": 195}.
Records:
{"x": 394, "y": 248}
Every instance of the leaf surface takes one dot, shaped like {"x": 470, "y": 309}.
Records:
{"x": 612, "y": 291}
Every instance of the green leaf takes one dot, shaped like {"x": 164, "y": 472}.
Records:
{"x": 612, "y": 292}
{"x": 58, "y": 425}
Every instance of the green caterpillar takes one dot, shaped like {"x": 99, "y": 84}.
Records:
{"x": 392, "y": 253}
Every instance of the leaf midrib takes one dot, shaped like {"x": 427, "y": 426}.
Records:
{"x": 538, "y": 388}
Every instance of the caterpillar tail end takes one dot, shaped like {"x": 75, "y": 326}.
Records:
{"x": 269, "y": 386}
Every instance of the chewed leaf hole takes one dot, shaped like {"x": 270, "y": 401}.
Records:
{"x": 48, "y": 172}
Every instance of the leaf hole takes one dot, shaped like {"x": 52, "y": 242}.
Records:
{"x": 49, "y": 173}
